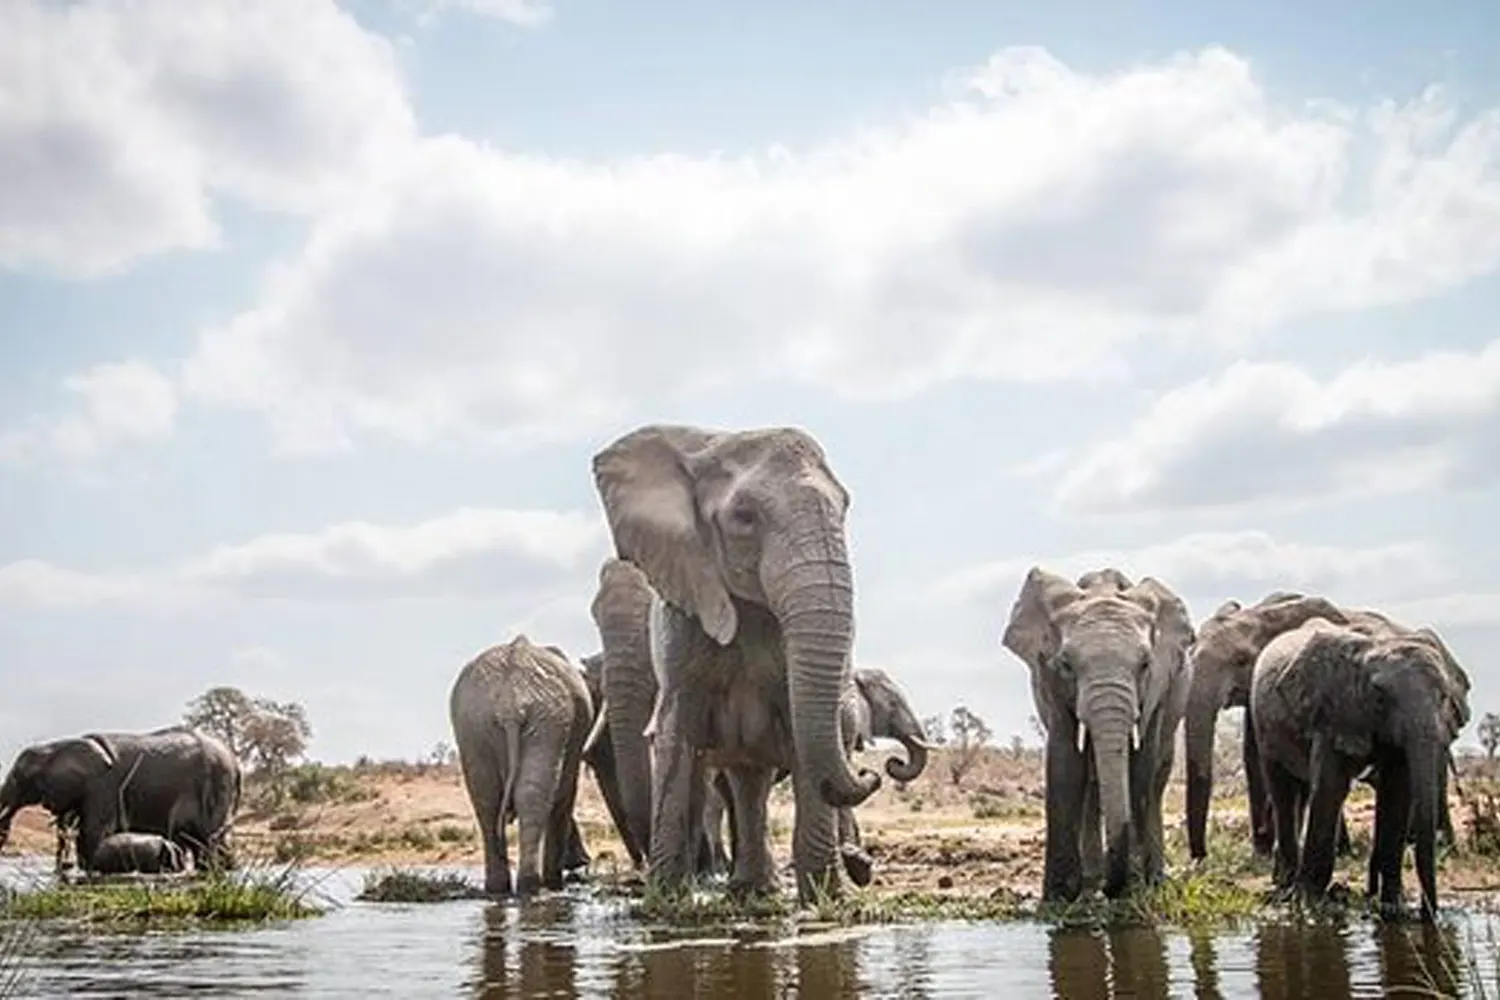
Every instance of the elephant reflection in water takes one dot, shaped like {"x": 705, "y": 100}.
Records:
{"x": 1301, "y": 960}
{"x": 1126, "y": 962}
{"x": 1421, "y": 960}
{"x": 745, "y": 971}
{"x": 517, "y": 956}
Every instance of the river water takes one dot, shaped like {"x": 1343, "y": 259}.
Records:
{"x": 572, "y": 945}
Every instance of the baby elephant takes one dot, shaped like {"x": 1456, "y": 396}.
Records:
{"x": 148, "y": 853}
{"x": 521, "y": 715}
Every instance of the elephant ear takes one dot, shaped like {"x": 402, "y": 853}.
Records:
{"x": 1345, "y": 702}
{"x": 1457, "y": 695}
{"x": 1272, "y": 618}
{"x": 70, "y": 766}
{"x": 1032, "y": 633}
{"x": 650, "y": 503}
{"x": 1171, "y": 633}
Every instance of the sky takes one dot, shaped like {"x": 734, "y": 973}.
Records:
{"x": 312, "y": 315}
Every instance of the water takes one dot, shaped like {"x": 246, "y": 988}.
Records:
{"x": 572, "y": 945}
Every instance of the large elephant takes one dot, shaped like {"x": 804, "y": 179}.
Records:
{"x": 175, "y": 781}
{"x": 521, "y": 716}
{"x": 742, "y": 537}
{"x": 1330, "y": 701}
{"x": 1220, "y": 665}
{"x": 1108, "y": 671}
{"x": 147, "y": 853}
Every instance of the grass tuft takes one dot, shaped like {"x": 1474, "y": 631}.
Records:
{"x": 406, "y": 886}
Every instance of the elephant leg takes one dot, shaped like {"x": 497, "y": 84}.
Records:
{"x": 858, "y": 864}
{"x": 1284, "y": 792}
{"x": 1066, "y": 779}
{"x": 1262, "y": 824}
{"x": 754, "y": 869}
{"x": 536, "y": 800}
{"x": 1392, "y": 820}
{"x": 563, "y": 838}
{"x": 484, "y": 780}
{"x": 712, "y": 858}
{"x": 1091, "y": 836}
{"x": 677, "y": 778}
{"x": 1330, "y": 787}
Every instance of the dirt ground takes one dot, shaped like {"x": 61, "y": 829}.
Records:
{"x": 977, "y": 836}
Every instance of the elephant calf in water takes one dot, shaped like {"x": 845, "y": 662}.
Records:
{"x": 148, "y": 853}
{"x": 521, "y": 716}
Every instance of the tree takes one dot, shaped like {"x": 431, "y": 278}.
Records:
{"x": 970, "y": 734}
{"x": 1489, "y": 734}
{"x": 443, "y": 753}
{"x": 265, "y": 735}
{"x": 932, "y": 728}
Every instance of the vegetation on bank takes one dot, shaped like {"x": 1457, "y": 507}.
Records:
{"x": 397, "y": 885}
{"x": 253, "y": 895}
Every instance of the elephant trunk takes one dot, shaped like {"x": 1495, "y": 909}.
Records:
{"x": 629, "y": 694}
{"x": 1110, "y": 716}
{"x": 1425, "y": 763}
{"x": 810, "y": 590}
{"x": 916, "y": 759}
{"x": 1198, "y": 737}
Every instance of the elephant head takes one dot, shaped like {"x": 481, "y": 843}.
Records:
{"x": 719, "y": 520}
{"x": 1220, "y": 663}
{"x": 1389, "y": 698}
{"x": 55, "y": 776}
{"x": 888, "y": 715}
{"x": 1104, "y": 659}
{"x": 621, "y": 611}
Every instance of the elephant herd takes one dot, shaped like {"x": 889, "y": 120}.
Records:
{"x": 1331, "y": 695}
{"x": 726, "y": 621}
{"x": 136, "y": 802}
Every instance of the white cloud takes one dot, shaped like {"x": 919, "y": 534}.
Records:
{"x": 119, "y": 122}
{"x": 526, "y": 13}
{"x": 1209, "y": 567}
{"x": 118, "y": 403}
{"x": 1451, "y": 610}
{"x": 468, "y": 553}
{"x": 1036, "y": 226}
{"x": 1272, "y": 432}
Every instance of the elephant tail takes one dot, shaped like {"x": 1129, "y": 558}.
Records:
{"x": 512, "y": 769}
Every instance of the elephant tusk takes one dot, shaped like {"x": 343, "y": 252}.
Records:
{"x": 598, "y": 727}
{"x": 1083, "y": 736}
{"x": 1135, "y": 738}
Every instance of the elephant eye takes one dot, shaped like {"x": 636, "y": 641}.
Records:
{"x": 742, "y": 516}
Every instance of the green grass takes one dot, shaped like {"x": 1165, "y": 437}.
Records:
{"x": 1194, "y": 900}
{"x": 405, "y": 886}
{"x": 252, "y": 895}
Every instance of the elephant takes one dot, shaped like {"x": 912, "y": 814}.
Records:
{"x": 1220, "y": 665}
{"x": 1329, "y": 701}
{"x": 621, "y": 610}
{"x": 176, "y": 781}
{"x": 876, "y": 708}
{"x": 148, "y": 853}
{"x": 1108, "y": 670}
{"x": 741, "y": 535}
{"x": 521, "y": 718}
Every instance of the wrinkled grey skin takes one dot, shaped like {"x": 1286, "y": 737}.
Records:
{"x": 742, "y": 537}
{"x": 175, "y": 781}
{"x": 147, "y": 853}
{"x": 621, "y": 610}
{"x": 521, "y": 715}
{"x": 1108, "y": 674}
{"x": 1220, "y": 665}
{"x": 1330, "y": 701}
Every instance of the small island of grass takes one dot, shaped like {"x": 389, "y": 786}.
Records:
{"x": 235, "y": 897}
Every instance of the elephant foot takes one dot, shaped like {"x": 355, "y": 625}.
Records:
{"x": 857, "y": 863}
{"x": 744, "y": 890}
{"x": 497, "y": 889}
{"x": 528, "y": 885}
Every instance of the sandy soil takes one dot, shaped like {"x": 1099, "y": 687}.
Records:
{"x": 982, "y": 834}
